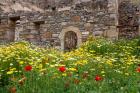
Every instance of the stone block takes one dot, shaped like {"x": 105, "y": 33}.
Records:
{"x": 86, "y": 25}
{"x": 64, "y": 23}
{"x": 43, "y": 39}
{"x": 112, "y": 33}
{"x": 76, "y": 18}
{"x": 34, "y": 31}
{"x": 30, "y": 36}
{"x": 98, "y": 33}
{"x": 55, "y": 35}
{"x": 85, "y": 33}
{"x": 58, "y": 47}
{"x": 47, "y": 35}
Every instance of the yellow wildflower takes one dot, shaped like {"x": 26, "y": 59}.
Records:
{"x": 40, "y": 66}
{"x": 109, "y": 62}
{"x": 31, "y": 63}
{"x": 127, "y": 74}
{"x": 52, "y": 65}
{"x": 102, "y": 72}
{"x": 12, "y": 69}
{"x": 72, "y": 69}
{"x": 64, "y": 74}
{"x": 10, "y": 72}
{"x": 21, "y": 62}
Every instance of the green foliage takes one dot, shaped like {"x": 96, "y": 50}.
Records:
{"x": 115, "y": 62}
{"x": 99, "y": 46}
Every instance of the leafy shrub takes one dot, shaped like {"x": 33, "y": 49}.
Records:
{"x": 99, "y": 46}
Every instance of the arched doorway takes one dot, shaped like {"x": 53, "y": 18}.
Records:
{"x": 70, "y": 42}
{"x": 70, "y": 35}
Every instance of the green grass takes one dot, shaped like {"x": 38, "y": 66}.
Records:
{"x": 116, "y": 62}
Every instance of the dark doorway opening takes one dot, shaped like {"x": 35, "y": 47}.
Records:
{"x": 12, "y": 27}
{"x": 70, "y": 42}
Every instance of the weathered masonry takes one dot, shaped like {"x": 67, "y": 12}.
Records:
{"x": 65, "y": 24}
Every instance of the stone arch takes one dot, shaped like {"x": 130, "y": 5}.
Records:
{"x": 67, "y": 29}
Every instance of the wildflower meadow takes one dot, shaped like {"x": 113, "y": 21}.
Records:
{"x": 97, "y": 66}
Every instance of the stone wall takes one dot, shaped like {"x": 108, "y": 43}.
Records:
{"x": 49, "y": 26}
{"x": 128, "y": 20}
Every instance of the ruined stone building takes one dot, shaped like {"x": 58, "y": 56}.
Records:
{"x": 65, "y": 24}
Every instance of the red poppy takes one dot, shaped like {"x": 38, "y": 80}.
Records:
{"x": 98, "y": 78}
{"x": 138, "y": 69}
{"x": 28, "y": 68}
{"x": 62, "y": 69}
